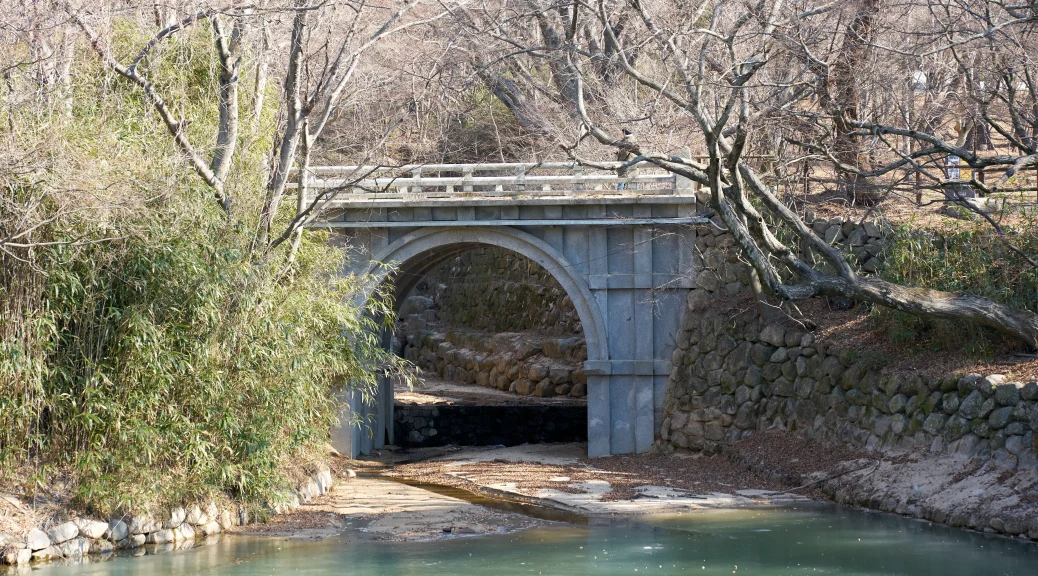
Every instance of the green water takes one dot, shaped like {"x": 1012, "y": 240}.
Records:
{"x": 805, "y": 540}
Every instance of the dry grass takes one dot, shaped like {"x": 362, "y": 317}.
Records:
{"x": 853, "y": 329}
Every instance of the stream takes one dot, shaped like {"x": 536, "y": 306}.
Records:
{"x": 794, "y": 540}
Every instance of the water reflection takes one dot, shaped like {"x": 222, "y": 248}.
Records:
{"x": 811, "y": 539}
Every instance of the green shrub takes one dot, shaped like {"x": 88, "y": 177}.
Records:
{"x": 148, "y": 352}
{"x": 969, "y": 260}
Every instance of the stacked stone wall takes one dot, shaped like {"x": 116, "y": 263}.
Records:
{"x": 721, "y": 272}
{"x": 521, "y": 363}
{"x": 176, "y": 529}
{"x": 496, "y": 290}
{"x": 734, "y": 375}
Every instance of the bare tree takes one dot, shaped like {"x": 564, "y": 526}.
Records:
{"x": 326, "y": 45}
{"x": 750, "y": 74}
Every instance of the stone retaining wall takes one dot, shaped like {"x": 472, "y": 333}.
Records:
{"x": 178, "y": 528}
{"x": 522, "y": 363}
{"x": 734, "y": 375}
{"x": 421, "y": 426}
{"x": 496, "y": 290}
{"x": 721, "y": 273}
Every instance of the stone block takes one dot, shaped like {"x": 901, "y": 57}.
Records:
{"x": 831, "y": 367}
{"x": 211, "y": 529}
{"x": 897, "y": 403}
{"x": 48, "y": 553}
{"x": 37, "y": 539}
{"x": 1008, "y": 393}
{"x": 176, "y": 518}
{"x": 184, "y": 532}
{"x": 92, "y": 529}
{"x": 544, "y": 389}
{"x": 524, "y": 387}
{"x": 956, "y": 427}
{"x": 789, "y": 370}
{"x": 1029, "y": 391}
{"x": 774, "y": 334}
{"x": 968, "y": 383}
{"x": 988, "y": 383}
{"x": 101, "y": 547}
{"x": 712, "y": 361}
{"x": 833, "y": 234}
{"x": 725, "y": 345}
{"x": 760, "y": 354}
{"x": 163, "y": 536}
{"x": 753, "y": 377}
{"x": 578, "y": 376}
{"x": 805, "y": 387}
{"x": 117, "y": 530}
{"x": 980, "y": 428}
{"x": 934, "y": 423}
{"x": 986, "y": 408}
{"x": 970, "y": 407}
{"x": 858, "y": 237}
{"x": 75, "y": 548}
{"x": 998, "y": 419}
{"x": 713, "y": 431}
{"x": 560, "y": 375}
{"x": 708, "y": 280}
{"x": 782, "y": 387}
{"x": 63, "y": 532}
{"x": 1016, "y": 445}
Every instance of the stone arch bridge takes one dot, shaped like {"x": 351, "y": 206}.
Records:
{"x": 621, "y": 247}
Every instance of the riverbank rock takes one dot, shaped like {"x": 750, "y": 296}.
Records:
{"x": 195, "y": 516}
{"x": 143, "y": 524}
{"x": 160, "y": 537}
{"x": 37, "y": 539}
{"x": 63, "y": 532}
{"x": 176, "y": 518}
{"x": 117, "y": 530}
{"x": 15, "y": 556}
{"x": 92, "y": 529}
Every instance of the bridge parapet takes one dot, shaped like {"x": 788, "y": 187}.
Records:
{"x": 454, "y": 183}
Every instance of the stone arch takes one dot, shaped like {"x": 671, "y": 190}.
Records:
{"x": 418, "y": 252}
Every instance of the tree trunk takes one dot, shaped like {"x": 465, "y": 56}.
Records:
{"x": 840, "y": 98}
{"x": 289, "y": 140}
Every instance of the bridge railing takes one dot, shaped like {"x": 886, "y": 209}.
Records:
{"x": 467, "y": 181}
